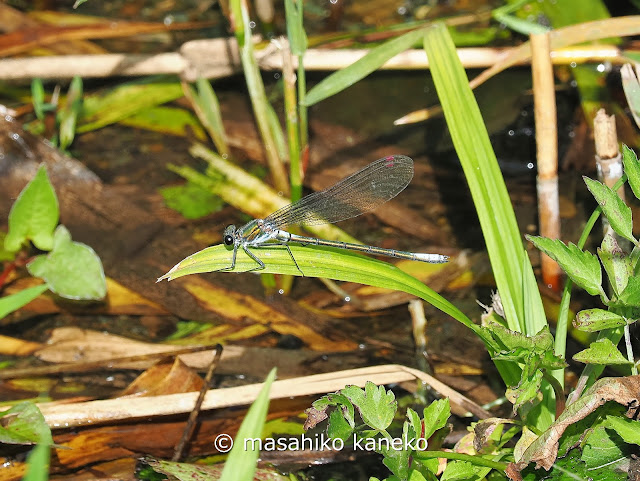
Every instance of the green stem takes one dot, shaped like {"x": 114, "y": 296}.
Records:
{"x": 476, "y": 460}
{"x": 291, "y": 118}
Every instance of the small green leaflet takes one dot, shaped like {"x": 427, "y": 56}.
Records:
{"x": 617, "y": 212}
{"x": 602, "y": 351}
{"x": 593, "y": 320}
{"x": 582, "y": 267}
{"x": 376, "y": 405}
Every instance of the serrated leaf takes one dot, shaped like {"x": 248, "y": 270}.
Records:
{"x": 618, "y": 265}
{"x": 376, "y": 405}
{"x": 396, "y": 456}
{"x": 593, "y": 320}
{"x": 435, "y": 416}
{"x": 512, "y": 340}
{"x": 613, "y": 207}
{"x": 72, "y": 270}
{"x": 632, "y": 169}
{"x": 582, "y": 267}
{"x": 602, "y": 351}
{"x": 528, "y": 390}
{"x": 460, "y": 471}
{"x": 34, "y": 215}
{"x": 338, "y": 426}
{"x": 627, "y": 429}
{"x": 631, "y": 294}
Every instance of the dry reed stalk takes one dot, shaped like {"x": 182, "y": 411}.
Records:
{"x": 547, "y": 147}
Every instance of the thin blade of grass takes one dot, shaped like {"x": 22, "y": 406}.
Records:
{"x": 346, "y": 77}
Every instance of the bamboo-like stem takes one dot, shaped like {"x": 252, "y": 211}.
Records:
{"x": 547, "y": 147}
{"x": 219, "y": 58}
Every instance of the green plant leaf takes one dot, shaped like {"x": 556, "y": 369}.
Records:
{"x": 72, "y": 269}
{"x": 125, "y": 100}
{"x": 315, "y": 261}
{"x": 627, "y": 429}
{"x": 166, "y": 120}
{"x": 488, "y": 190}
{"x": 582, "y": 267}
{"x": 11, "y": 303}
{"x": 631, "y": 294}
{"x": 618, "y": 265}
{"x": 617, "y": 212}
{"x": 191, "y": 200}
{"x": 34, "y": 215}
{"x": 593, "y": 320}
{"x": 435, "y": 416}
{"x": 376, "y": 405}
{"x": 24, "y": 424}
{"x": 208, "y": 103}
{"x": 602, "y": 351}
{"x": 460, "y": 471}
{"x": 631, "y": 165}
{"x": 396, "y": 456}
{"x": 347, "y": 76}
{"x": 295, "y": 30}
{"x": 241, "y": 463}
{"x": 37, "y": 97}
{"x": 339, "y": 427}
{"x": 68, "y": 115}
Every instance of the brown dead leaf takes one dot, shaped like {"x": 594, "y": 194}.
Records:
{"x": 544, "y": 450}
{"x": 10, "y": 346}
{"x": 242, "y": 308}
{"x": 165, "y": 378}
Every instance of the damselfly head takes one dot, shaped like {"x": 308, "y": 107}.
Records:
{"x": 229, "y": 234}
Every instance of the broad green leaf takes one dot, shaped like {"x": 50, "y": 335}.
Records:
{"x": 11, "y": 303}
{"x": 166, "y": 120}
{"x": 582, "y": 267}
{"x": 593, "y": 320}
{"x": 435, "y": 416}
{"x": 617, "y": 212}
{"x": 321, "y": 262}
{"x": 24, "y": 424}
{"x": 191, "y": 200}
{"x": 339, "y": 427}
{"x": 68, "y": 115}
{"x": 376, "y": 405}
{"x": 602, "y": 351}
{"x": 618, "y": 265}
{"x": 603, "y": 447}
{"x": 34, "y": 215}
{"x": 527, "y": 390}
{"x": 241, "y": 462}
{"x": 631, "y": 294}
{"x": 510, "y": 340}
{"x": 125, "y": 100}
{"x": 72, "y": 269}
{"x": 347, "y": 76}
{"x": 627, "y": 429}
{"x": 460, "y": 471}
{"x": 631, "y": 165}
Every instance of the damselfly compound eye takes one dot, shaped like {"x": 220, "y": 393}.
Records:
{"x": 228, "y": 240}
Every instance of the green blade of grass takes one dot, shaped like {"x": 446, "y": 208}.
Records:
{"x": 346, "y": 77}
{"x": 321, "y": 262}
{"x": 241, "y": 463}
{"x": 497, "y": 218}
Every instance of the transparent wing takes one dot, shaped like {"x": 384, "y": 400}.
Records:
{"x": 361, "y": 192}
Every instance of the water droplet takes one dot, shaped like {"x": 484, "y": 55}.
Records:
{"x": 280, "y": 291}
{"x": 347, "y": 299}
{"x": 530, "y": 165}
{"x": 168, "y": 20}
{"x": 276, "y": 75}
{"x": 601, "y": 67}
{"x": 573, "y": 65}
{"x": 252, "y": 24}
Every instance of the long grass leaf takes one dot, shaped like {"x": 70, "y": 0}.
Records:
{"x": 346, "y": 77}
{"x": 489, "y": 192}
